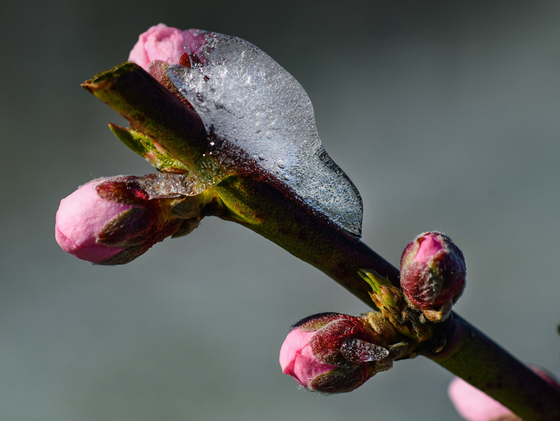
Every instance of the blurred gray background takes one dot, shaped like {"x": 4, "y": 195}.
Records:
{"x": 444, "y": 114}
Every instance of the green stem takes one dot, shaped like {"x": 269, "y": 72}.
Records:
{"x": 478, "y": 360}
{"x": 267, "y": 207}
{"x": 264, "y": 209}
{"x": 468, "y": 353}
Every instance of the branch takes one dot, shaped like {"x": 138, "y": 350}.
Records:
{"x": 267, "y": 206}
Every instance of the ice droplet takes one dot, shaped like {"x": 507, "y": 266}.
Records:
{"x": 250, "y": 103}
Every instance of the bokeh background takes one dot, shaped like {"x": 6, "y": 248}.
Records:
{"x": 444, "y": 114}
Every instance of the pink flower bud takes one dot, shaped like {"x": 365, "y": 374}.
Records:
{"x": 158, "y": 43}
{"x": 161, "y": 46}
{"x": 170, "y": 45}
{"x": 433, "y": 271}
{"x": 474, "y": 405}
{"x": 297, "y": 359}
{"x": 79, "y": 220}
{"x": 333, "y": 353}
{"x": 114, "y": 220}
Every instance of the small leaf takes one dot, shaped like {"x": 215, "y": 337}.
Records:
{"x": 145, "y": 147}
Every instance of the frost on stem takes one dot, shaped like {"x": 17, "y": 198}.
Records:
{"x": 226, "y": 109}
{"x": 258, "y": 118}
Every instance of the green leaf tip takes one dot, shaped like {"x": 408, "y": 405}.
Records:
{"x": 114, "y": 72}
{"x": 374, "y": 279}
{"x": 148, "y": 149}
{"x": 383, "y": 290}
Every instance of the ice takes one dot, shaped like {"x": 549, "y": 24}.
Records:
{"x": 166, "y": 186}
{"x": 358, "y": 351}
{"x": 249, "y": 103}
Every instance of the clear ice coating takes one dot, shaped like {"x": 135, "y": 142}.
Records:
{"x": 247, "y": 100}
{"x": 358, "y": 351}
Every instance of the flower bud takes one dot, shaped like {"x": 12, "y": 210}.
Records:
{"x": 160, "y": 42}
{"x": 333, "y": 353}
{"x": 474, "y": 405}
{"x": 114, "y": 220}
{"x": 170, "y": 45}
{"x": 433, "y": 272}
